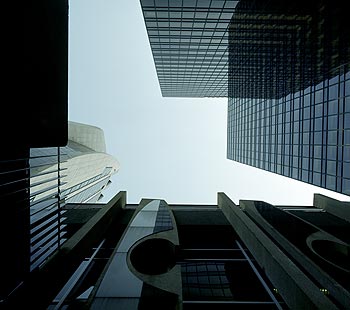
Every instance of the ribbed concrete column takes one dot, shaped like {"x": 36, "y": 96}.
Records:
{"x": 298, "y": 291}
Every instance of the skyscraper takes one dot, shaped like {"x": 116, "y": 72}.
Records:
{"x": 75, "y": 173}
{"x": 42, "y": 184}
{"x": 284, "y": 68}
{"x": 86, "y": 167}
{"x": 35, "y": 116}
{"x": 289, "y": 87}
{"x": 155, "y": 255}
{"x": 189, "y": 42}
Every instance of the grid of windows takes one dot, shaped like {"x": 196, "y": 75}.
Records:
{"x": 266, "y": 49}
{"x": 224, "y": 282}
{"x": 289, "y": 91}
{"x": 163, "y": 219}
{"x": 304, "y": 135}
{"x": 284, "y": 67}
{"x": 205, "y": 279}
{"x": 189, "y": 42}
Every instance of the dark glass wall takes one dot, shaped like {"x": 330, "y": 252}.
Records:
{"x": 42, "y": 113}
{"x": 189, "y": 42}
{"x": 284, "y": 67}
{"x": 34, "y": 114}
{"x": 217, "y": 270}
{"x": 289, "y": 89}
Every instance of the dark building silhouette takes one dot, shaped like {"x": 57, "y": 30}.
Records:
{"x": 284, "y": 67}
{"x": 156, "y": 255}
{"x": 35, "y": 115}
{"x": 46, "y": 161}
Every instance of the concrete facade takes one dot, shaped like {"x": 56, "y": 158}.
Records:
{"x": 166, "y": 256}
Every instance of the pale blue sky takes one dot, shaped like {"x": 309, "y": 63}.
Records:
{"x": 168, "y": 148}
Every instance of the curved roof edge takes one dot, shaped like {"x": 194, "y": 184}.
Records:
{"x": 87, "y": 135}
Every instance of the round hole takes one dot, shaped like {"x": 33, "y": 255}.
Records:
{"x": 153, "y": 256}
{"x": 333, "y": 252}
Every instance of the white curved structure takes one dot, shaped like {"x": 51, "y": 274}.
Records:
{"x": 87, "y": 167}
{"x": 90, "y": 136}
{"x": 76, "y": 173}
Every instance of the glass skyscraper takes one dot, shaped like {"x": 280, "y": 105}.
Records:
{"x": 284, "y": 68}
{"x": 189, "y": 41}
{"x": 289, "y": 87}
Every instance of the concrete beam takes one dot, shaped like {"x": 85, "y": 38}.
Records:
{"x": 43, "y": 284}
{"x": 323, "y": 278}
{"x": 298, "y": 291}
{"x": 335, "y": 207}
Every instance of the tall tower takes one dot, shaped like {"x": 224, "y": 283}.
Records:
{"x": 75, "y": 173}
{"x": 36, "y": 116}
{"x": 284, "y": 68}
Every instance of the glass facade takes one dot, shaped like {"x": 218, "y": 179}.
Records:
{"x": 284, "y": 67}
{"x": 189, "y": 42}
{"x": 225, "y": 283}
{"x": 47, "y": 231}
{"x": 288, "y": 107}
{"x": 84, "y": 175}
{"x": 304, "y": 135}
{"x": 74, "y": 173}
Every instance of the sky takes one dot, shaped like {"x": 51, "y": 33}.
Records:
{"x": 168, "y": 148}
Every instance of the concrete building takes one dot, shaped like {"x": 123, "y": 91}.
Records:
{"x": 85, "y": 166}
{"x": 156, "y": 255}
{"x": 284, "y": 67}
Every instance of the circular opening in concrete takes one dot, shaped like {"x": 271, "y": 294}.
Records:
{"x": 153, "y": 256}
{"x": 333, "y": 252}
